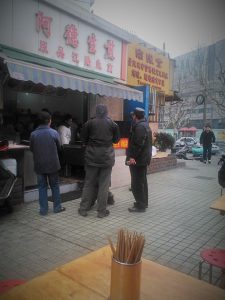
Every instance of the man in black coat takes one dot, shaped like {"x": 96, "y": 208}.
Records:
{"x": 98, "y": 134}
{"x": 206, "y": 139}
{"x": 138, "y": 158}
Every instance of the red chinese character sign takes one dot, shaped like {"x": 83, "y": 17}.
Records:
{"x": 71, "y": 36}
{"x": 109, "y": 68}
{"x": 43, "y": 47}
{"x": 98, "y": 64}
{"x": 75, "y": 58}
{"x": 43, "y": 23}
{"x": 60, "y": 52}
{"x": 109, "y": 46}
{"x": 87, "y": 61}
{"x": 91, "y": 43}
{"x": 76, "y": 42}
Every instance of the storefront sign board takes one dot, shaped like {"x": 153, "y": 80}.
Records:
{"x": 147, "y": 67}
{"x": 40, "y": 29}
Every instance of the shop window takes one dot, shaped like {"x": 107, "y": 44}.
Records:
{"x": 156, "y": 102}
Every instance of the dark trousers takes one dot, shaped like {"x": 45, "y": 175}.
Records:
{"x": 100, "y": 177}
{"x": 139, "y": 185}
{"x": 207, "y": 152}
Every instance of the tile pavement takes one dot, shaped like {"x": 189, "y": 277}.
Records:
{"x": 177, "y": 225}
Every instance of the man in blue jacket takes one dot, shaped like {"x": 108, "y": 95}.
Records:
{"x": 45, "y": 145}
{"x": 139, "y": 154}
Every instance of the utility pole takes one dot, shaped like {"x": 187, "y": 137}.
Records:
{"x": 201, "y": 100}
{"x": 204, "y": 111}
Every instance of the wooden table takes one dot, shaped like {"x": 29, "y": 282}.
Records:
{"x": 219, "y": 204}
{"x": 88, "y": 278}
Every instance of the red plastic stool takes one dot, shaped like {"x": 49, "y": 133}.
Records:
{"x": 6, "y": 285}
{"x": 215, "y": 258}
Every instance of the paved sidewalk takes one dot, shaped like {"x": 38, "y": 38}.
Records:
{"x": 177, "y": 225}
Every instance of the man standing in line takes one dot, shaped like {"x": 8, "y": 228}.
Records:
{"x": 138, "y": 158}
{"x": 44, "y": 143}
{"x": 98, "y": 134}
{"x": 206, "y": 139}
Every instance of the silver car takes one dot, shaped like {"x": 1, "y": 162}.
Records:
{"x": 188, "y": 140}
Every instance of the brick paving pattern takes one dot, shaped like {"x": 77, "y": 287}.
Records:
{"x": 177, "y": 225}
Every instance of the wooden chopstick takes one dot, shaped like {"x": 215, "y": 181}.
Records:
{"x": 129, "y": 246}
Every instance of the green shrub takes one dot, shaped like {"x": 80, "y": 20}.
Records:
{"x": 164, "y": 141}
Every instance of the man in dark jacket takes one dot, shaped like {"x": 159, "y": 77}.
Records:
{"x": 98, "y": 134}
{"x": 45, "y": 144}
{"x": 138, "y": 158}
{"x": 206, "y": 139}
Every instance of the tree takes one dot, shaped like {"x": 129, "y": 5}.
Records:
{"x": 218, "y": 97}
{"x": 202, "y": 72}
{"x": 178, "y": 111}
{"x": 213, "y": 87}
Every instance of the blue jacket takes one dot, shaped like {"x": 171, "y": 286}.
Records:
{"x": 45, "y": 145}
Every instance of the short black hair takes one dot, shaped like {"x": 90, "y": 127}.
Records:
{"x": 47, "y": 110}
{"x": 67, "y": 117}
{"x": 44, "y": 117}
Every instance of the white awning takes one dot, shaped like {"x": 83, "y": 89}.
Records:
{"x": 52, "y": 77}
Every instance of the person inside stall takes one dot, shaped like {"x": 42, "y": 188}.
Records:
{"x": 7, "y": 130}
{"x": 64, "y": 130}
{"x": 74, "y": 131}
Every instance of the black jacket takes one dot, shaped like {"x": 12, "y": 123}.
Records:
{"x": 140, "y": 143}
{"x": 207, "y": 138}
{"x": 99, "y": 134}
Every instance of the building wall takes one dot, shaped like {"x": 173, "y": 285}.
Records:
{"x": 41, "y": 29}
{"x": 197, "y": 73}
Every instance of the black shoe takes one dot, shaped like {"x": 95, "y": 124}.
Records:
{"x": 83, "y": 213}
{"x": 60, "y": 210}
{"x": 110, "y": 200}
{"x": 8, "y": 207}
{"x": 103, "y": 214}
{"x": 135, "y": 205}
{"x": 136, "y": 209}
{"x": 209, "y": 161}
{"x": 92, "y": 204}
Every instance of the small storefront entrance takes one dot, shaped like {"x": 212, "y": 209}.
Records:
{"x": 29, "y": 88}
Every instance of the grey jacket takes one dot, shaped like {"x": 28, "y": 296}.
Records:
{"x": 45, "y": 145}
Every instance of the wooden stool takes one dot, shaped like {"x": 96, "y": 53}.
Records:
{"x": 6, "y": 285}
{"x": 215, "y": 258}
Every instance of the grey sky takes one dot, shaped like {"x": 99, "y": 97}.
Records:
{"x": 181, "y": 24}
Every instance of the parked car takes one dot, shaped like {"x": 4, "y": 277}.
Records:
{"x": 189, "y": 141}
{"x": 197, "y": 150}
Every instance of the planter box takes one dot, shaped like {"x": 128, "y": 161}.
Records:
{"x": 162, "y": 162}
